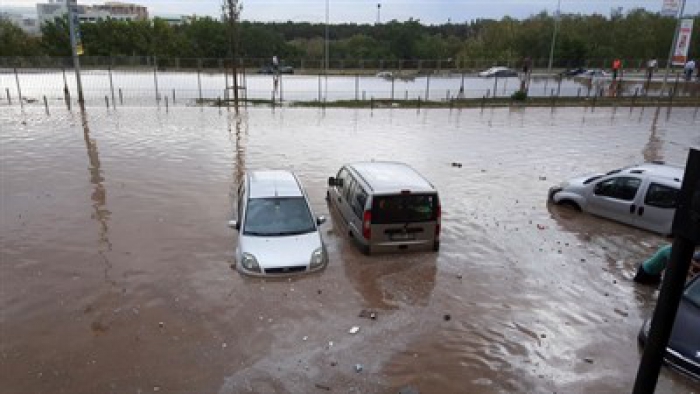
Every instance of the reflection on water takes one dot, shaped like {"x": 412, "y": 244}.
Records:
{"x": 99, "y": 196}
{"x": 520, "y": 295}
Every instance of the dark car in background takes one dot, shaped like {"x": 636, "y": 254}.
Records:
{"x": 573, "y": 72}
{"x": 683, "y": 350}
{"x": 269, "y": 70}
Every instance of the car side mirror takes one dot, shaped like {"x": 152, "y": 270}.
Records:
{"x": 234, "y": 224}
{"x": 331, "y": 181}
{"x": 320, "y": 220}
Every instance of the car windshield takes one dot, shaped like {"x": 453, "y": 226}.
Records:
{"x": 404, "y": 208}
{"x": 692, "y": 292}
{"x": 277, "y": 216}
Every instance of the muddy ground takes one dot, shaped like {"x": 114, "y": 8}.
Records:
{"x": 115, "y": 265}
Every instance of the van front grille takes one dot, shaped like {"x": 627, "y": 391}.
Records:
{"x": 285, "y": 270}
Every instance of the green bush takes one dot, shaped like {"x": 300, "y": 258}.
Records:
{"x": 520, "y": 95}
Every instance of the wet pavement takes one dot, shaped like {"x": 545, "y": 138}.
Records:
{"x": 115, "y": 266}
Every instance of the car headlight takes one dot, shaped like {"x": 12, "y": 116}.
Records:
{"x": 318, "y": 258}
{"x": 250, "y": 263}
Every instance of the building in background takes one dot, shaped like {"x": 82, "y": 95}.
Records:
{"x": 28, "y": 24}
{"x": 47, "y": 12}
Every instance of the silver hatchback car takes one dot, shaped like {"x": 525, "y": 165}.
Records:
{"x": 278, "y": 233}
{"x": 643, "y": 196}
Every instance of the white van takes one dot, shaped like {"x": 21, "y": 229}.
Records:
{"x": 386, "y": 206}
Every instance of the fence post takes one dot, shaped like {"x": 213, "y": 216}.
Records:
{"x": 173, "y": 96}
{"x": 634, "y": 98}
{"x": 405, "y": 98}
{"x": 447, "y": 95}
{"x": 111, "y": 84}
{"x": 19, "y": 90}
{"x": 357, "y": 86}
{"x": 495, "y": 86}
{"x": 319, "y": 86}
{"x": 155, "y": 78}
{"x": 281, "y": 89}
{"x": 559, "y": 86}
{"x": 166, "y": 104}
{"x": 392, "y": 87}
{"x": 419, "y": 103}
{"x": 107, "y": 102}
{"x": 121, "y": 97}
{"x": 46, "y": 105}
{"x": 427, "y": 87}
{"x": 363, "y": 95}
{"x": 9, "y": 100}
{"x": 199, "y": 79}
{"x": 578, "y": 93}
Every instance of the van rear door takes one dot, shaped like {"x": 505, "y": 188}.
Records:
{"x": 404, "y": 218}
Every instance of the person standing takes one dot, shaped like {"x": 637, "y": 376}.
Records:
{"x": 616, "y": 66}
{"x": 688, "y": 69}
{"x": 275, "y": 64}
{"x": 652, "y": 64}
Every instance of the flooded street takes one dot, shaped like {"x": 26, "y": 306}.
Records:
{"x": 115, "y": 273}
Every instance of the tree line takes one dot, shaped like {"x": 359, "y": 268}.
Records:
{"x": 637, "y": 34}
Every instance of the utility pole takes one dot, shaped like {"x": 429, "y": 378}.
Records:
{"x": 379, "y": 10}
{"x": 554, "y": 36}
{"x": 232, "y": 13}
{"x": 76, "y": 44}
{"x": 326, "y": 49}
{"x": 673, "y": 44}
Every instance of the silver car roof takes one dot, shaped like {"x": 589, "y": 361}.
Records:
{"x": 273, "y": 183}
{"x": 657, "y": 171}
{"x": 391, "y": 177}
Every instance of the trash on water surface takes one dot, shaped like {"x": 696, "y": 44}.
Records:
{"x": 354, "y": 330}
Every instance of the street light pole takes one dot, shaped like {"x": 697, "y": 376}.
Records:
{"x": 554, "y": 37}
{"x": 379, "y": 9}
{"x": 74, "y": 49}
{"x": 326, "y": 49}
{"x": 673, "y": 44}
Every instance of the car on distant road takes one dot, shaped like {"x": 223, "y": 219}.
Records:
{"x": 499, "y": 72}
{"x": 643, "y": 196}
{"x": 594, "y": 73}
{"x": 278, "y": 233}
{"x": 683, "y": 350}
{"x": 269, "y": 70}
{"x": 574, "y": 72}
{"x": 385, "y": 74}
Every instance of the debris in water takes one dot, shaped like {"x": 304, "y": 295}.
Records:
{"x": 621, "y": 312}
{"x": 358, "y": 368}
{"x": 161, "y": 324}
{"x": 322, "y": 387}
{"x": 458, "y": 165}
{"x": 354, "y": 330}
{"x": 543, "y": 178}
{"x": 588, "y": 360}
{"x": 305, "y": 338}
{"x": 459, "y": 276}
{"x": 367, "y": 314}
{"x": 447, "y": 317}
{"x": 541, "y": 226}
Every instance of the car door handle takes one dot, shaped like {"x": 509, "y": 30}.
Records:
{"x": 640, "y": 211}
{"x": 633, "y": 208}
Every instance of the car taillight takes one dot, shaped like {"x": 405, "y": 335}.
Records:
{"x": 367, "y": 225}
{"x": 437, "y": 223}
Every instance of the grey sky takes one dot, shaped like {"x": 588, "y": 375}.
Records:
{"x": 365, "y": 11}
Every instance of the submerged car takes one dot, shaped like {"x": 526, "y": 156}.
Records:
{"x": 278, "y": 233}
{"x": 683, "y": 350}
{"x": 498, "y": 72}
{"x": 643, "y": 196}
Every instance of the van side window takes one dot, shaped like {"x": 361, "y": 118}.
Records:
{"x": 343, "y": 176}
{"x": 661, "y": 196}
{"x": 348, "y": 189}
{"x": 358, "y": 203}
{"x": 621, "y": 188}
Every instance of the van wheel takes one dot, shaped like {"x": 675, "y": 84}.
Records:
{"x": 436, "y": 246}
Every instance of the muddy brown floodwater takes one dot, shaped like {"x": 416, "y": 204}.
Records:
{"x": 116, "y": 278}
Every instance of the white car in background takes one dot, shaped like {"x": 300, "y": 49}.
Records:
{"x": 643, "y": 196}
{"x": 278, "y": 234}
{"x": 499, "y": 72}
